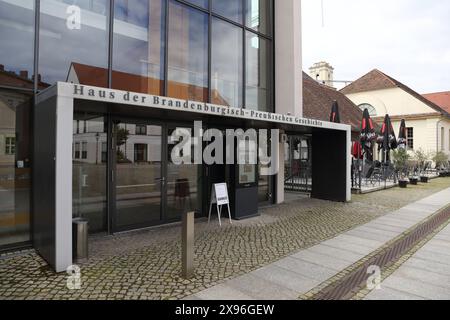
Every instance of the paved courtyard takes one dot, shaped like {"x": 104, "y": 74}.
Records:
{"x": 146, "y": 264}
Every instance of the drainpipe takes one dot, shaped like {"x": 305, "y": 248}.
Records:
{"x": 437, "y": 134}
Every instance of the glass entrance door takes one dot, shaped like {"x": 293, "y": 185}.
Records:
{"x": 183, "y": 179}
{"x": 138, "y": 175}
{"x": 148, "y": 186}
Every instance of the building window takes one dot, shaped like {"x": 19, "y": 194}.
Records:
{"x": 442, "y": 139}
{"x": 10, "y": 146}
{"x": 370, "y": 108}
{"x": 141, "y": 130}
{"x": 448, "y": 140}
{"x": 77, "y": 150}
{"x": 104, "y": 152}
{"x": 140, "y": 152}
{"x": 84, "y": 152}
{"x": 410, "y": 138}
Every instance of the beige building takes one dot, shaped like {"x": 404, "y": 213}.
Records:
{"x": 428, "y": 124}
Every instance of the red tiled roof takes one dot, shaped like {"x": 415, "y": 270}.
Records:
{"x": 377, "y": 80}
{"x": 442, "y": 99}
{"x": 318, "y": 100}
{"x": 11, "y": 79}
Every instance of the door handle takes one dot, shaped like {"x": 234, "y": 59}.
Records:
{"x": 162, "y": 180}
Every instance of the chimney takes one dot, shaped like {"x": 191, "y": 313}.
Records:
{"x": 39, "y": 78}
{"x": 2, "y": 67}
{"x": 24, "y": 74}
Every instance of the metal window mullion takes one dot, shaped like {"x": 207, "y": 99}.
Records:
{"x": 244, "y": 56}
{"x": 37, "y": 21}
{"x": 166, "y": 47}
{"x": 111, "y": 42}
{"x": 209, "y": 51}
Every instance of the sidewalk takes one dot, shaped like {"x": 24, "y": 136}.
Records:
{"x": 425, "y": 276}
{"x": 299, "y": 273}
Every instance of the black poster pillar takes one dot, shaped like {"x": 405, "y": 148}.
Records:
{"x": 244, "y": 197}
{"x": 329, "y": 165}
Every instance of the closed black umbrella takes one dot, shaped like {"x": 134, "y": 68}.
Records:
{"x": 387, "y": 138}
{"x": 402, "y": 136}
{"x": 368, "y": 135}
{"x": 335, "y": 116}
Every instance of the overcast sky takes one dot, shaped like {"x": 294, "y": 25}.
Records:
{"x": 406, "y": 39}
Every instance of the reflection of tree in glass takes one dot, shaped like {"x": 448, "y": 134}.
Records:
{"x": 121, "y": 138}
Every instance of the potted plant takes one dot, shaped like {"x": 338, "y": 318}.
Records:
{"x": 401, "y": 158}
{"x": 421, "y": 157}
{"x": 441, "y": 161}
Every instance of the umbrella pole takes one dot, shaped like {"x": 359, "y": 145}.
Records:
{"x": 362, "y": 170}
{"x": 385, "y": 169}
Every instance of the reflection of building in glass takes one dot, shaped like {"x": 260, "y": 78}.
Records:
{"x": 14, "y": 159}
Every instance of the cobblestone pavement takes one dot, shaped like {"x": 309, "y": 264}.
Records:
{"x": 146, "y": 264}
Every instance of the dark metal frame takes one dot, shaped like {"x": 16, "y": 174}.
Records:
{"x": 112, "y": 177}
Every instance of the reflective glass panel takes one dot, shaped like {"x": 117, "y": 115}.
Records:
{"x": 200, "y": 3}
{"x": 138, "y": 52}
{"x": 138, "y": 176}
{"x": 89, "y": 170}
{"x": 226, "y": 64}
{"x": 15, "y": 167}
{"x": 74, "y": 42}
{"x": 258, "y": 15}
{"x": 258, "y": 73}
{"x": 183, "y": 183}
{"x": 188, "y": 53}
{"x": 230, "y": 9}
{"x": 16, "y": 43}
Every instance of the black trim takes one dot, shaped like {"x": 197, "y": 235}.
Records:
{"x": 166, "y": 48}
{"x": 111, "y": 41}
{"x": 16, "y": 247}
{"x": 37, "y": 22}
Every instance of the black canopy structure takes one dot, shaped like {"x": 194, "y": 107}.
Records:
{"x": 402, "y": 136}
{"x": 387, "y": 138}
{"x": 368, "y": 135}
{"x": 335, "y": 116}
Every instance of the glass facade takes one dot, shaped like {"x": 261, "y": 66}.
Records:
{"x": 217, "y": 51}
